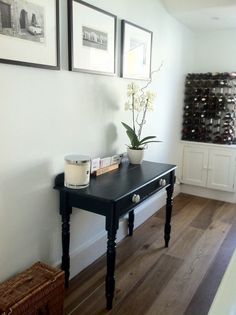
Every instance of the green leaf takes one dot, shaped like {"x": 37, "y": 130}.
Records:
{"x": 127, "y": 127}
{"x": 147, "y": 138}
{"x": 132, "y": 136}
{"x": 150, "y": 142}
{"x": 134, "y": 141}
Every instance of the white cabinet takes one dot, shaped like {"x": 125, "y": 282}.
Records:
{"x": 209, "y": 166}
{"x": 221, "y": 170}
{"x": 195, "y": 161}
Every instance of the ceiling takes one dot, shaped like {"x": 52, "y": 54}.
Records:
{"x": 204, "y": 14}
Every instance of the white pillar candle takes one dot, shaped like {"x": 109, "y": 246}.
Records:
{"x": 77, "y": 171}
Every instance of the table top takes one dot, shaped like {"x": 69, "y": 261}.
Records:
{"x": 118, "y": 183}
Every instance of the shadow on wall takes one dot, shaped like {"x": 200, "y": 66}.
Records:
{"x": 111, "y": 137}
{"x": 30, "y": 224}
{"x": 107, "y": 100}
{"x": 106, "y": 94}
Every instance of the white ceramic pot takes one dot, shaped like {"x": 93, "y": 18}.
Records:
{"x": 135, "y": 156}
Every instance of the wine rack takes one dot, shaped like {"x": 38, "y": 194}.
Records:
{"x": 209, "y": 108}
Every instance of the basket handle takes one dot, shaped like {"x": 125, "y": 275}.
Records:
{"x": 17, "y": 284}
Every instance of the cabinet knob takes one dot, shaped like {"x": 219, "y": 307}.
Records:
{"x": 135, "y": 198}
{"x": 162, "y": 182}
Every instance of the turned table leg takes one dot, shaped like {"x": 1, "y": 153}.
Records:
{"x": 111, "y": 227}
{"x": 131, "y": 222}
{"x": 65, "y": 212}
{"x": 169, "y": 205}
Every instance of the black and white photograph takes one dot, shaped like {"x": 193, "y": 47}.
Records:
{"x": 92, "y": 39}
{"x": 22, "y": 19}
{"x": 23, "y": 28}
{"x": 136, "y": 51}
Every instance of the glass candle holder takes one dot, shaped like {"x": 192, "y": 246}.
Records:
{"x": 77, "y": 171}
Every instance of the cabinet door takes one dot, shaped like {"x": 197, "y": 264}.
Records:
{"x": 195, "y": 161}
{"x": 221, "y": 170}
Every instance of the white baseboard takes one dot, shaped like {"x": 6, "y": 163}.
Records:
{"x": 224, "y": 300}
{"x": 86, "y": 254}
{"x": 208, "y": 193}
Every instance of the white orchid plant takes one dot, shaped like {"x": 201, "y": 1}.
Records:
{"x": 139, "y": 102}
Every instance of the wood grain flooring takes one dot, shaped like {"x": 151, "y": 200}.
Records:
{"x": 153, "y": 280}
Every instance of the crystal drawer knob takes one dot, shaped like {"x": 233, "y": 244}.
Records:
{"x": 162, "y": 182}
{"x": 135, "y": 198}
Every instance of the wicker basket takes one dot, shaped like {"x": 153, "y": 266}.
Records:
{"x": 37, "y": 291}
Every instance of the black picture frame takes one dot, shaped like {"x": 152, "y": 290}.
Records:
{"x": 128, "y": 47}
{"x": 24, "y": 35}
{"x": 80, "y": 51}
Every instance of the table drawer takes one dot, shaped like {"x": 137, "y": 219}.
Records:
{"x": 136, "y": 197}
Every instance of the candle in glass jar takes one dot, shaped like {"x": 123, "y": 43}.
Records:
{"x": 77, "y": 171}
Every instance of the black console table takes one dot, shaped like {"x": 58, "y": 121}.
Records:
{"x": 113, "y": 195}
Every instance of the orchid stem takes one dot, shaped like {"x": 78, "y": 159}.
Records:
{"x": 133, "y": 112}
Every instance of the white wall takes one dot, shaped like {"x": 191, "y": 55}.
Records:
{"x": 46, "y": 115}
{"x": 215, "y": 51}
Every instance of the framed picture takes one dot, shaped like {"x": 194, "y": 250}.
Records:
{"x": 29, "y": 33}
{"x": 136, "y": 51}
{"x": 92, "y": 39}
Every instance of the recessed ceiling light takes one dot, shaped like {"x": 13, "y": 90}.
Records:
{"x": 216, "y": 18}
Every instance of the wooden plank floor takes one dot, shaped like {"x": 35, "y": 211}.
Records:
{"x": 153, "y": 280}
